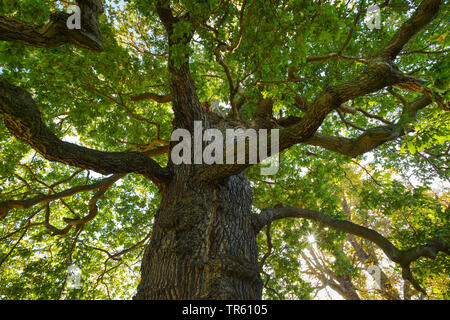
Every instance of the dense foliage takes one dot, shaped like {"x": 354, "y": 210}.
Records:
{"x": 279, "y": 48}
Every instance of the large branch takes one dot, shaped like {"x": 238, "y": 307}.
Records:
{"x": 403, "y": 257}
{"x": 185, "y": 101}
{"x": 424, "y": 14}
{"x": 56, "y": 32}
{"x": 23, "y": 119}
{"x": 5, "y": 206}
{"x": 373, "y": 137}
{"x": 379, "y": 73}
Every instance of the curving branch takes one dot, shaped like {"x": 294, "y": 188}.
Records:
{"x": 152, "y": 96}
{"x": 185, "y": 102}
{"x": 373, "y": 137}
{"x": 55, "y": 32}
{"x": 23, "y": 120}
{"x": 6, "y": 206}
{"x": 101, "y": 185}
{"x": 424, "y": 14}
{"x": 380, "y": 72}
{"x": 403, "y": 257}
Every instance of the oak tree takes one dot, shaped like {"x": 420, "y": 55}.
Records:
{"x": 86, "y": 176}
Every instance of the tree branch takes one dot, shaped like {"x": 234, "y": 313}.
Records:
{"x": 5, "y": 206}
{"x": 55, "y": 32}
{"x": 185, "y": 101}
{"x": 23, "y": 120}
{"x": 424, "y": 14}
{"x": 54, "y": 230}
{"x": 403, "y": 257}
{"x": 93, "y": 209}
{"x": 373, "y": 137}
{"x": 152, "y": 96}
{"x": 379, "y": 73}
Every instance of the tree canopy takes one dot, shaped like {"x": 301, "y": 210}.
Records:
{"x": 364, "y": 137}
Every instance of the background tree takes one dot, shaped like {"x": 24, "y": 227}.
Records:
{"x": 87, "y": 120}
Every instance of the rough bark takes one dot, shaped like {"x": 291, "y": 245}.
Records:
{"x": 203, "y": 244}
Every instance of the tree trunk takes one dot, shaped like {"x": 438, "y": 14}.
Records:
{"x": 347, "y": 289}
{"x": 203, "y": 244}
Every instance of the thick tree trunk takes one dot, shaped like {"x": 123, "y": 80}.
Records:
{"x": 203, "y": 244}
